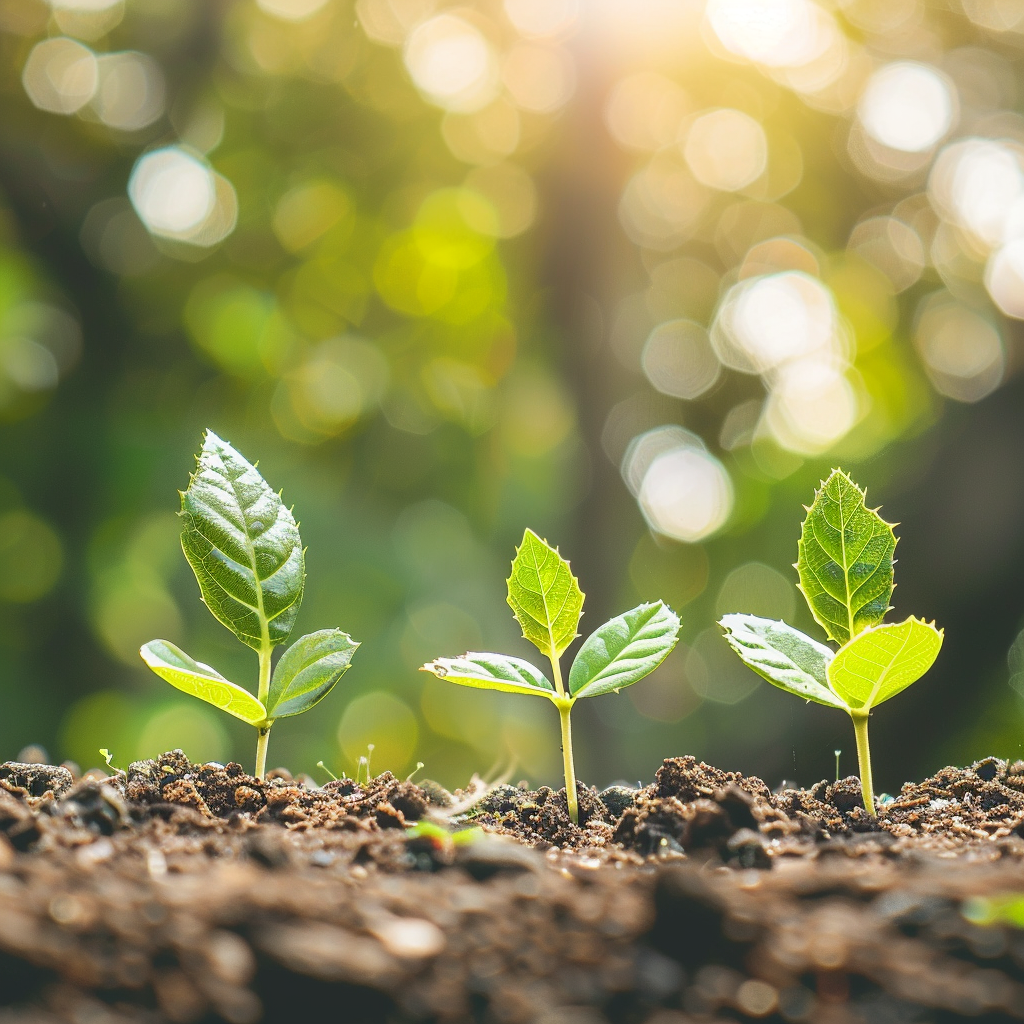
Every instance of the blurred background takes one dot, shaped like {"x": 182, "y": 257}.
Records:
{"x": 634, "y": 273}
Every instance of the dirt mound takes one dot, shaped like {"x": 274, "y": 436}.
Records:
{"x": 196, "y": 893}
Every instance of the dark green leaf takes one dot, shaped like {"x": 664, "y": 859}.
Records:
{"x": 243, "y": 545}
{"x": 783, "y": 655}
{"x": 624, "y": 650}
{"x": 308, "y": 671}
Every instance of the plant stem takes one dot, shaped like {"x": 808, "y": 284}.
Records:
{"x": 262, "y": 695}
{"x": 867, "y": 789}
{"x": 261, "y": 751}
{"x": 564, "y": 708}
{"x": 564, "y": 705}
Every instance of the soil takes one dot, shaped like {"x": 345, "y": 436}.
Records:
{"x": 185, "y": 893}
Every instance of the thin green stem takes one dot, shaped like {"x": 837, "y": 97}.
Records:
{"x": 564, "y": 708}
{"x": 860, "y": 730}
{"x": 261, "y": 750}
{"x": 556, "y": 671}
{"x": 262, "y": 694}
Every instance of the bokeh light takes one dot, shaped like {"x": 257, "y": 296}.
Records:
{"x": 726, "y": 149}
{"x": 452, "y": 63}
{"x": 679, "y": 360}
{"x": 131, "y": 92}
{"x": 177, "y": 196}
{"x": 907, "y": 106}
{"x": 962, "y": 350}
{"x": 60, "y": 75}
{"x": 31, "y": 557}
{"x": 384, "y": 720}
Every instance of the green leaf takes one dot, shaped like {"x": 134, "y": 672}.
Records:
{"x": 784, "y": 656}
{"x": 181, "y": 671}
{"x": 845, "y": 559}
{"x": 624, "y": 650}
{"x": 544, "y": 596}
{"x": 881, "y": 661}
{"x": 492, "y": 672}
{"x": 308, "y": 671}
{"x": 243, "y": 545}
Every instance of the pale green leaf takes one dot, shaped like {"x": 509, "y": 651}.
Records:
{"x": 174, "y": 665}
{"x": 624, "y": 650}
{"x": 784, "y": 656}
{"x": 845, "y": 559}
{"x": 876, "y": 664}
{"x": 308, "y": 671}
{"x": 243, "y": 545}
{"x": 544, "y": 596}
{"x": 492, "y": 672}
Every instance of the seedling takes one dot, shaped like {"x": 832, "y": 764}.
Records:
{"x": 845, "y": 563}
{"x": 244, "y": 548}
{"x": 547, "y": 602}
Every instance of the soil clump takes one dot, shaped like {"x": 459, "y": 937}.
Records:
{"x": 196, "y": 893}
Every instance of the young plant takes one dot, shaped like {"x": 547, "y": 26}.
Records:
{"x": 244, "y": 548}
{"x": 547, "y": 602}
{"x": 845, "y": 563}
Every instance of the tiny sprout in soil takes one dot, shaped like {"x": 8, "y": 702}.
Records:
{"x": 547, "y": 601}
{"x": 244, "y": 548}
{"x": 845, "y": 564}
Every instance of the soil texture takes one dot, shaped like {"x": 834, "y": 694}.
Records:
{"x": 188, "y": 893}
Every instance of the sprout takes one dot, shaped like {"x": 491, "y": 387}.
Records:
{"x": 547, "y": 602}
{"x": 845, "y": 564}
{"x": 244, "y": 548}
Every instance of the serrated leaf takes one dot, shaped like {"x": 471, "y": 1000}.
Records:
{"x": 784, "y": 656}
{"x": 544, "y": 596}
{"x": 191, "y": 676}
{"x": 492, "y": 672}
{"x": 845, "y": 559}
{"x": 308, "y": 671}
{"x": 243, "y": 545}
{"x": 876, "y": 664}
{"x": 624, "y": 650}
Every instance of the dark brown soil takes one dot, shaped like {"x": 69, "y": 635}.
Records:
{"x": 196, "y": 893}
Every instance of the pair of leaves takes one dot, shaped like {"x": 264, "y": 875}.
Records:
{"x": 872, "y": 667}
{"x": 305, "y": 674}
{"x": 547, "y": 601}
{"x": 845, "y": 563}
{"x": 244, "y": 548}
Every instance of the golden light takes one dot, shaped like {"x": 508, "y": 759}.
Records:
{"x": 766, "y": 321}
{"x": 776, "y": 33}
{"x": 962, "y": 350}
{"x": 452, "y": 63}
{"x": 811, "y": 406}
{"x": 542, "y": 18}
{"x": 538, "y": 78}
{"x": 678, "y": 359}
{"x": 1004, "y": 279}
{"x": 645, "y": 111}
{"x": 684, "y": 492}
{"x": 907, "y": 106}
{"x": 291, "y": 10}
{"x": 726, "y": 149}
{"x": 60, "y": 75}
{"x": 131, "y": 91}
{"x": 179, "y": 197}
{"x": 974, "y": 183}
